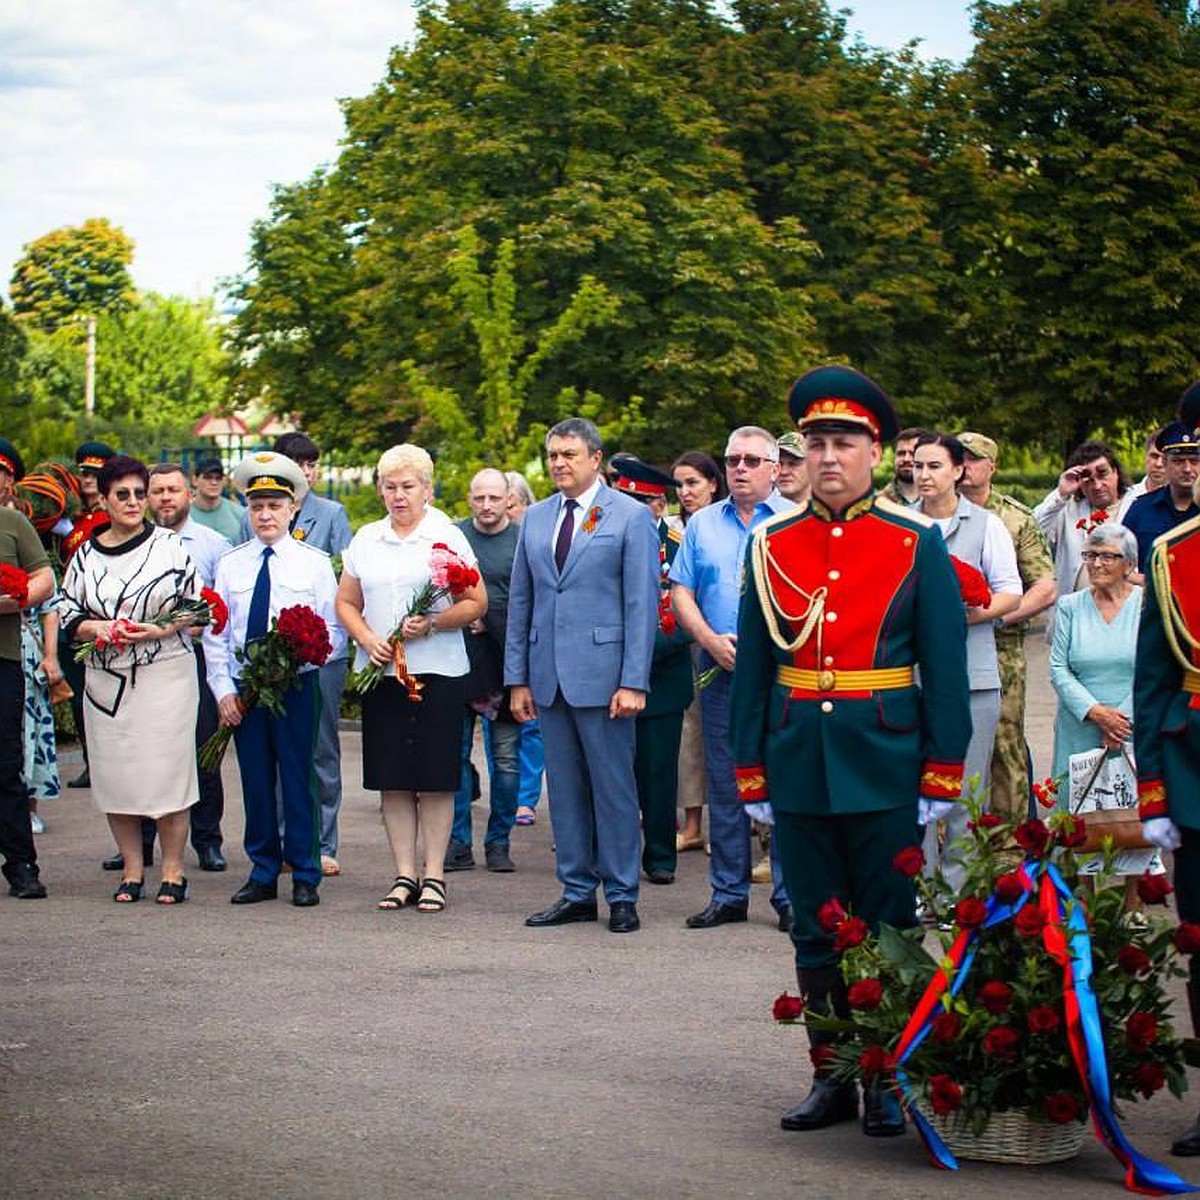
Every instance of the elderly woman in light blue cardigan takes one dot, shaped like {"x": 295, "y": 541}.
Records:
{"x": 1095, "y": 644}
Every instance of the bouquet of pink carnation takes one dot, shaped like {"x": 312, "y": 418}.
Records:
{"x": 449, "y": 576}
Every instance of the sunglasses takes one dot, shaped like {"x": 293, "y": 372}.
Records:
{"x": 752, "y": 461}
{"x": 124, "y": 495}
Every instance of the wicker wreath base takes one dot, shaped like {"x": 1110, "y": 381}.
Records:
{"x": 1011, "y": 1137}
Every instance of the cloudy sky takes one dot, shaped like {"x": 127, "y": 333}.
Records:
{"x": 173, "y": 118}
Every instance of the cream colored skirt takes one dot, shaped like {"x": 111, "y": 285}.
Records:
{"x": 141, "y": 737}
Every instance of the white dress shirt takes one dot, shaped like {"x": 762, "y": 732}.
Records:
{"x": 204, "y": 546}
{"x": 391, "y": 570}
{"x": 583, "y": 502}
{"x": 300, "y": 574}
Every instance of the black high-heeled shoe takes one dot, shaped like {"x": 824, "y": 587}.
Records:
{"x": 172, "y": 893}
{"x": 129, "y": 891}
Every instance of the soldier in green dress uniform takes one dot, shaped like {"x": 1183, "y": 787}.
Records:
{"x": 1166, "y": 720}
{"x": 660, "y": 723}
{"x": 832, "y": 733}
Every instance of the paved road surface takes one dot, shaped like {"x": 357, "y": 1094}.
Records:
{"x": 210, "y": 1051}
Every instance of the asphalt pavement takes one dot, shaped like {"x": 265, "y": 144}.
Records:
{"x": 213, "y": 1051}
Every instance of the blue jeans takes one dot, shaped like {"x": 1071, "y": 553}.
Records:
{"x": 533, "y": 765}
{"x": 728, "y": 825}
{"x": 500, "y": 740}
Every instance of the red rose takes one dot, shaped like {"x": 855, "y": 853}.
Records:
{"x": 787, "y": 1008}
{"x": 305, "y": 634}
{"x": 945, "y": 1096}
{"x": 1001, "y": 1042}
{"x": 970, "y": 912}
{"x": 1043, "y": 1019}
{"x": 1154, "y": 889}
{"x": 1187, "y": 938}
{"x": 865, "y": 994}
{"x": 995, "y": 996}
{"x": 821, "y": 1056}
{"x": 1071, "y": 832}
{"x": 1133, "y": 960}
{"x": 946, "y": 1027}
{"x": 873, "y": 1061}
{"x": 986, "y": 821}
{"x": 1148, "y": 1078}
{"x": 909, "y": 861}
{"x": 851, "y": 932}
{"x": 830, "y": 915}
{"x": 1032, "y": 837}
{"x": 1009, "y": 888}
{"x": 1061, "y": 1108}
{"x": 1140, "y": 1031}
{"x": 1030, "y": 921}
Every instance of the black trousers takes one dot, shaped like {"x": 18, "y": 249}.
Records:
{"x": 16, "y": 833}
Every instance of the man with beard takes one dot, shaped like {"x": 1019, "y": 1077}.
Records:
{"x": 902, "y": 488}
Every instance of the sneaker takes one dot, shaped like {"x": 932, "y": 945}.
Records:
{"x": 458, "y": 857}
{"x": 497, "y": 857}
{"x": 36, "y": 823}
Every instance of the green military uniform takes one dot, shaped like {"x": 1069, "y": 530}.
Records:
{"x": 1010, "y": 771}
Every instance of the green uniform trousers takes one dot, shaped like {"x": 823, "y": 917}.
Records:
{"x": 656, "y": 769}
{"x": 1010, "y": 763}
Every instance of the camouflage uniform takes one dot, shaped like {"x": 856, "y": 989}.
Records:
{"x": 891, "y": 492}
{"x": 1010, "y": 777}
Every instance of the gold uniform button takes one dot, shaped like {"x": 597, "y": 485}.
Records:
{"x": 827, "y": 706}
{"x": 908, "y": 541}
{"x": 836, "y": 531}
{"x": 835, "y": 574}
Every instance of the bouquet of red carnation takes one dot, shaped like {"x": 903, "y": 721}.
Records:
{"x": 1092, "y": 521}
{"x": 972, "y": 584}
{"x": 298, "y": 637}
{"x": 14, "y": 582}
{"x": 449, "y": 576}
{"x": 209, "y": 609}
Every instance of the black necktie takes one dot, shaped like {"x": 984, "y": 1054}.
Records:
{"x": 260, "y": 602}
{"x": 566, "y": 531}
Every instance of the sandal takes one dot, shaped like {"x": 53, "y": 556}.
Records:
{"x": 172, "y": 893}
{"x": 433, "y": 896}
{"x": 129, "y": 891}
{"x": 404, "y": 891}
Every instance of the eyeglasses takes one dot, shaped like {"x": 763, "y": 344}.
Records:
{"x": 752, "y": 461}
{"x": 1104, "y": 557}
{"x": 124, "y": 495}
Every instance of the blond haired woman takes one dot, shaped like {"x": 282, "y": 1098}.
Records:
{"x": 412, "y": 736}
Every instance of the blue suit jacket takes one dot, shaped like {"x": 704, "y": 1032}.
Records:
{"x": 589, "y": 631}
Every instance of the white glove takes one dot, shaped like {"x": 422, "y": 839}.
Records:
{"x": 1162, "y": 832}
{"x": 760, "y": 812}
{"x": 934, "y": 810}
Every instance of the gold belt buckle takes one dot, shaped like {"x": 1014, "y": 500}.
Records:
{"x": 826, "y": 680}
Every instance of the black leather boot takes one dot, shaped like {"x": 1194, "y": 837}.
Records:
{"x": 830, "y": 1101}
{"x": 1187, "y": 1144}
{"x": 883, "y": 1115}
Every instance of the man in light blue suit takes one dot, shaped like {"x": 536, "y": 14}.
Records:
{"x": 582, "y": 611}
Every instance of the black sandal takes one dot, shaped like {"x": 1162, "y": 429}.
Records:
{"x": 433, "y": 896}
{"x": 129, "y": 891}
{"x": 172, "y": 893}
{"x": 403, "y": 892}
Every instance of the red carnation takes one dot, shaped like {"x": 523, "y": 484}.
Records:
{"x": 851, "y": 932}
{"x": 821, "y": 1056}
{"x": 1148, "y": 1078}
{"x": 972, "y": 584}
{"x": 946, "y": 1027}
{"x": 909, "y": 861}
{"x": 945, "y": 1096}
{"x": 217, "y": 608}
{"x": 1009, "y": 888}
{"x": 1030, "y": 921}
{"x": 14, "y": 582}
{"x": 1154, "y": 889}
{"x": 1140, "y": 1031}
{"x": 1001, "y": 1042}
{"x": 787, "y": 1008}
{"x": 1187, "y": 938}
{"x": 995, "y": 996}
{"x": 986, "y": 821}
{"x": 970, "y": 912}
{"x": 1072, "y": 831}
{"x": 1045, "y": 791}
{"x": 1032, "y": 837}
{"x": 1043, "y": 1019}
{"x": 1133, "y": 960}
{"x": 830, "y": 915}
{"x": 1061, "y": 1108}
{"x": 865, "y": 994}
{"x": 873, "y": 1061}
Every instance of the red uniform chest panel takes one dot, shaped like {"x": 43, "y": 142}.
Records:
{"x": 1183, "y": 560}
{"x": 862, "y": 564}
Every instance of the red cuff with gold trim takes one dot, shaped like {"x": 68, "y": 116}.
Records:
{"x": 941, "y": 780}
{"x": 751, "y": 784}
{"x": 1152, "y": 799}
